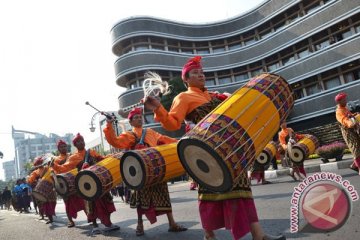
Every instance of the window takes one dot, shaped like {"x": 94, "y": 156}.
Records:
{"x": 224, "y": 77}
{"x": 303, "y": 53}
{"x": 249, "y": 37}
{"x": 218, "y": 46}
{"x": 322, "y": 45}
{"x": 273, "y": 67}
{"x": 39, "y": 148}
{"x": 157, "y": 43}
{"x": 331, "y": 83}
{"x": 141, "y": 43}
{"x": 241, "y": 77}
{"x": 264, "y": 30}
{"x": 133, "y": 85}
{"x": 312, "y": 89}
{"x": 202, "y": 47}
{"x": 173, "y": 45}
{"x": 298, "y": 94}
{"x": 210, "y": 82}
{"x": 186, "y": 47}
{"x": 288, "y": 60}
{"x": 234, "y": 42}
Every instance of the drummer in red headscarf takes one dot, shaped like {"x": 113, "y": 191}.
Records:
{"x": 73, "y": 203}
{"x": 349, "y": 128}
{"x": 154, "y": 200}
{"x": 45, "y": 208}
{"x": 234, "y": 210}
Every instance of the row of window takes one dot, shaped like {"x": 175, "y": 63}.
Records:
{"x": 319, "y": 41}
{"x": 335, "y": 77}
{"x": 227, "y": 44}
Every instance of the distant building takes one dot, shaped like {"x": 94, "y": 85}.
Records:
{"x": 313, "y": 44}
{"x": 9, "y": 170}
{"x": 26, "y": 148}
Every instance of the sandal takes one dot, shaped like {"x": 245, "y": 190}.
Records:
{"x": 70, "y": 224}
{"x": 177, "y": 228}
{"x": 140, "y": 230}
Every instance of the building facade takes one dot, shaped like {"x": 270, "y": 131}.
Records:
{"x": 313, "y": 44}
{"x": 9, "y": 170}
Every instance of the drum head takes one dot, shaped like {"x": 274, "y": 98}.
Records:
{"x": 132, "y": 170}
{"x": 88, "y": 185}
{"x": 297, "y": 155}
{"x": 39, "y": 196}
{"x": 263, "y": 158}
{"x": 204, "y": 165}
{"x": 62, "y": 188}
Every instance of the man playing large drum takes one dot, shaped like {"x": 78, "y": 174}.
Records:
{"x": 284, "y": 136}
{"x": 150, "y": 201}
{"x": 73, "y": 203}
{"x": 45, "y": 208}
{"x": 234, "y": 210}
{"x": 349, "y": 127}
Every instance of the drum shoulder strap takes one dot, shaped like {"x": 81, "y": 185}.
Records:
{"x": 139, "y": 140}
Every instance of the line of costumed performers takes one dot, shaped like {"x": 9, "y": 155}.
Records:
{"x": 226, "y": 136}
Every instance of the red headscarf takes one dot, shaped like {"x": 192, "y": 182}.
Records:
{"x": 60, "y": 142}
{"x": 133, "y": 112}
{"x": 38, "y": 161}
{"x": 193, "y": 63}
{"x": 77, "y": 137}
{"x": 340, "y": 97}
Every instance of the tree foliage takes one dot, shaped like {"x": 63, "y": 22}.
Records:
{"x": 177, "y": 86}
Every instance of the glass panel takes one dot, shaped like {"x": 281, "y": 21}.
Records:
{"x": 298, "y": 94}
{"x": 349, "y": 77}
{"x": 256, "y": 72}
{"x": 273, "y": 66}
{"x": 224, "y": 80}
{"x": 303, "y": 53}
{"x": 241, "y": 77}
{"x": 322, "y": 45}
{"x": 203, "y": 51}
{"x": 210, "y": 82}
{"x": 331, "y": 83}
{"x": 234, "y": 46}
{"x": 310, "y": 90}
{"x": 288, "y": 60}
{"x": 217, "y": 50}
{"x": 141, "y": 47}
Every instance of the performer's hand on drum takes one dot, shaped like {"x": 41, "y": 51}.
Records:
{"x": 151, "y": 103}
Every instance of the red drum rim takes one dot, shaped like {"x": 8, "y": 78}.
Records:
{"x": 208, "y": 165}
{"x": 263, "y": 158}
{"x": 132, "y": 170}
{"x": 85, "y": 183}
{"x": 63, "y": 187}
{"x": 298, "y": 155}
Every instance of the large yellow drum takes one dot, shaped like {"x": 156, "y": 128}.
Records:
{"x": 267, "y": 154}
{"x": 303, "y": 148}
{"x": 226, "y": 142}
{"x": 66, "y": 183}
{"x": 145, "y": 167}
{"x": 98, "y": 179}
{"x": 44, "y": 189}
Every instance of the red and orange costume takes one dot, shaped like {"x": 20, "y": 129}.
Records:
{"x": 348, "y": 128}
{"x": 234, "y": 210}
{"x": 154, "y": 200}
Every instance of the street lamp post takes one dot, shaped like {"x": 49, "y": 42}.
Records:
{"x": 93, "y": 128}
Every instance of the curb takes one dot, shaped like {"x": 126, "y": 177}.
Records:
{"x": 324, "y": 167}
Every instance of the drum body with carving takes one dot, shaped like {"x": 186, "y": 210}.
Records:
{"x": 145, "y": 167}
{"x": 226, "y": 141}
{"x": 303, "y": 148}
{"x": 66, "y": 183}
{"x": 44, "y": 189}
{"x": 98, "y": 179}
{"x": 267, "y": 154}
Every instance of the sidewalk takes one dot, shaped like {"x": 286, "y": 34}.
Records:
{"x": 313, "y": 165}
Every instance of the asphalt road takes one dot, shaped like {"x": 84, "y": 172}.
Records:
{"x": 272, "y": 202}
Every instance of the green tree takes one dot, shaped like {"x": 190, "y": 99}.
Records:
{"x": 28, "y": 166}
{"x": 177, "y": 86}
